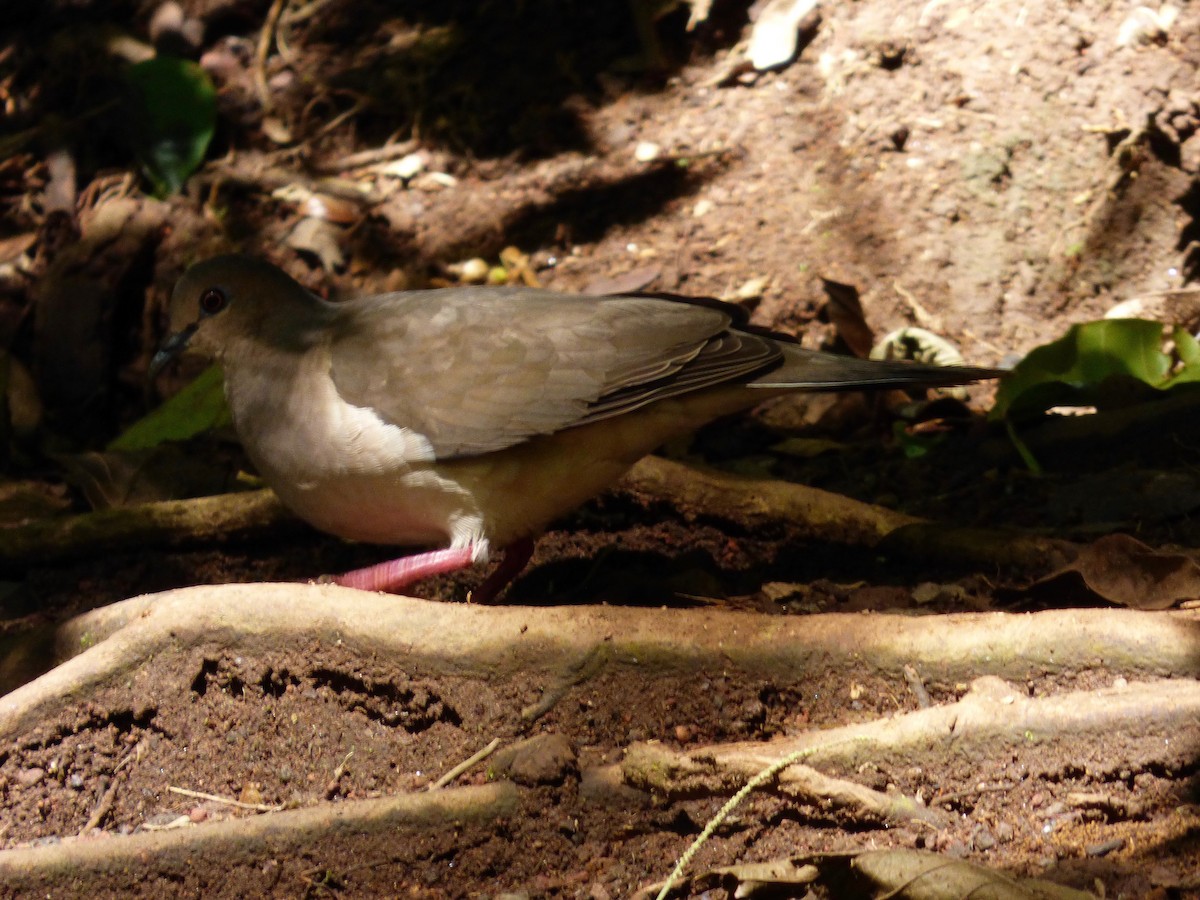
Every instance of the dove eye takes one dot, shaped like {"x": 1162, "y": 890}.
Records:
{"x": 213, "y": 301}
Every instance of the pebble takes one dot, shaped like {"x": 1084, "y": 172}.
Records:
{"x": 1105, "y": 847}
{"x": 407, "y": 167}
{"x": 471, "y": 271}
{"x": 542, "y": 759}
{"x": 646, "y": 151}
{"x": 983, "y": 840}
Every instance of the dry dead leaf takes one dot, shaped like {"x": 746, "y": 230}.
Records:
{"x": 698, "y": 11}
{"x": 21, "y": 396}
{"x": 1123, "y": 570}
{"x": 15, "y": 246}
{"x": 320, "y": 238}
{"x": 918, "y": 875}
{"x": 117, "y": 478}
{"x": 917, "y": 344}
{"x": 626, "y": 283}
{"x": 776, "y": 34}
{"x": 23, "y": 501}
{"x": 846, "y": 313}
{"x": 406, "y": 168}
{"x": 1178, "y": 307}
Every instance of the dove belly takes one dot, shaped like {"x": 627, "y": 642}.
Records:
{"x": 521, "y": 490}
{"x": 414, "y": 508}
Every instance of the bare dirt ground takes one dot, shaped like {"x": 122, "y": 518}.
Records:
{"x": 993, "y": 172}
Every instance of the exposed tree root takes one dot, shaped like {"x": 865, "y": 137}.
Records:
{"x": 289, "y": 832}
{"x": 560, "y": 643}
{"x": 754, "y": 503}
{"x": 758, "y": 503}
{"x": 566, "y": 648}
{"x": 166, "y": 524}
{"x": 993, "y": 712}
{"x": 902, "y": 874}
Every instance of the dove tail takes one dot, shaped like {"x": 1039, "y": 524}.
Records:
{"x": 817, "y": 371}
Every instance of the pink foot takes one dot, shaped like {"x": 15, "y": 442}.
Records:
{"x": 397, "y": 573}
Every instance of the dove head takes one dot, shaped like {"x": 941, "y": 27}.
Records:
{"x": 235, "y": 304}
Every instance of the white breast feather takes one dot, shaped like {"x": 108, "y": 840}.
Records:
{"x": 373, "y": 445}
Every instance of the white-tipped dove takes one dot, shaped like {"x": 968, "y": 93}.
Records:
{"x": 471, "y": 417}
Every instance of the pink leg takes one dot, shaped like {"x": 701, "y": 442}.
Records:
{"x": 397, "y": 573}
{"x": 516, "y": 557}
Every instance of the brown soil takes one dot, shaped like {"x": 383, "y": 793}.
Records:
{"x": 992, "y": 172}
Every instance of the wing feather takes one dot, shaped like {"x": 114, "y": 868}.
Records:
{"x": 479, "y": 369}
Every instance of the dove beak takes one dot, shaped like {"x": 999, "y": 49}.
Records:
{"x": 170, "y": 348}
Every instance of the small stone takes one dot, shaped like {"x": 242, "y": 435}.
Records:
{"x": 956, "y": 849}
{"x": 983, "y": 840}
{"x": 30, "y": 777}
{"x": 161, "y": 821}
{"x": 751, "y": 289}
{"x": 197, "y": 814}
{"x": 542, "y": 759}
{"x": 1105, "y": 847}
{"x": 1145, "y": 25}
{"x": 602, "y": 785}
{"x": 441, "y": 180}
{"x": 646, "y": 151}
{"x": 471, "y": 271}
{"x": 407, "y": 167}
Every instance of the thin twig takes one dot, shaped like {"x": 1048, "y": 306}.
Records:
{"x": 924, "y": 317}
{"x": 913, "y": 678}
{"x": 103, "y": 808}
{"x": 465, "y": 764}
{"x": 331, "y": 787}
{"x": 263, "y": 52}
{"x": 762, "y": 777}
{"x": 386, "y": 153}
{"x": 954, "y": 796}
{"x": 227, "y": 801}
{"x": 305, "y": 12}
{"x": 133, "y": 755}
{"x": 359, "y": 106}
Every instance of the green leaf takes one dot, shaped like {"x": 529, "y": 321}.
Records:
{"x": 1187, "y": 348}
{"x": 198, "y": 407}
{"x": 173, "y": 110}
{"x": 1106, "y": 364}
{"x": 915, "y": 444}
